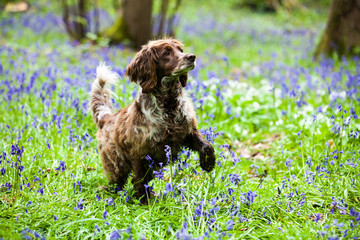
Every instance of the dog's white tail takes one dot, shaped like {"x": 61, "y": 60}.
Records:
{"x": 100, "y": 101}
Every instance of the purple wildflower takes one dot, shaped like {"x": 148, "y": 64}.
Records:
{"x": 148, "y": 158}
{"x": 168, "y": 153}
{"x": 250, "y": 196}
{"x": 169, "y": 189}
{"x": 62, "y": 166}
{"x": 105, "y": 214}
{"x": 115, "y": 235}
{"x": 79, "y": 205}
{"x": 79, "y": 186}
{"x": 230, "y": 225}
{"x": 288, "y": 162}
{"x": 98, "y": 197}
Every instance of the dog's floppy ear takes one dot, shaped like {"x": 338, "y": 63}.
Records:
{"x": 183, "y": 79}
{"x": 142, "y": 69}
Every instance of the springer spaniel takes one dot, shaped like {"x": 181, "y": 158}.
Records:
{"x": 161, "y": 115}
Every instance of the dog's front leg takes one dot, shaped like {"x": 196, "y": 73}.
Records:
{"x": 197, "y": 142}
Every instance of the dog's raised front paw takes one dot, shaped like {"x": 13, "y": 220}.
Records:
{"x": 207, "y": 158}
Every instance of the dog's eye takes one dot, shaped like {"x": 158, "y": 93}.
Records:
{"x": 166, "y": 53}
{"x": 181, "y": 50}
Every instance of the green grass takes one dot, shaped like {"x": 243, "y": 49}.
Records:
{"x": 255, "y": 83}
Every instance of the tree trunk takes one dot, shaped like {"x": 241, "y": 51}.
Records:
{"x": 171, "y": 18}
{"x": 133, "y": 23}
{"x": 74, "y": 19}
{"x": 163, "y": 11}
{"x": 342, "y": 33}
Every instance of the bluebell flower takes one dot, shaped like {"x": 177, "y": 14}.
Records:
{"x": 338, "y": 225}
{"x": 115, "y": 235}
{"x": 230, "y": 225}
{"x": 198, "y": 210}
{"x": 159, "y": 174}
{"x": 353, "y": 113}
{"x": 308, "y": 162}
{"x": 98, "y": 197}
{"x": 288, "y": 162}
{"x": 55, "y": 217}
{"x": 148, "y": 158}
{"x": 168, "y": 153}
{"x": 36, "y": 235}
{"x": 169, "y": 188}
{"x": 62, "y": 166}
{"x": 79, "y": 205}
{"x": 105, "y": 213}
{"x": 339, "y": 108}
{"x": 21, "y": 168}
{"x": 79, "y": 186}
{"x": 25, "y": 233}
{"x": 250, "y": 196}
{"x": 318, "y": 217}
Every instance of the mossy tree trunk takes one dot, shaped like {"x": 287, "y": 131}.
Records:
{"x": 342, "y": 33}
{"x": 133, "y": 23}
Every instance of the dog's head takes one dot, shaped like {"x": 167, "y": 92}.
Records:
{"x": 158, "y": 59}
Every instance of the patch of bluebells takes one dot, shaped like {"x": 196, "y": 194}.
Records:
{"x": 62, "y": 166}
{"x": 210, "y": 134}
{"x": 117, "y": 234}
{"x": 79, "y": 205}
{"x": 29, "y": 82}
{"x": 170, "y": 190}
{"x": 30, "y": 234}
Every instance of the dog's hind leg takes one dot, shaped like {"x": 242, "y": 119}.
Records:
{"x": 116, "y": 172}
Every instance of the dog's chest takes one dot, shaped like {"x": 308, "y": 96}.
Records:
{"x": 171, "y": 120}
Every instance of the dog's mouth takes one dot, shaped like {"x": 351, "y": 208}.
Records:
{"x": 184, "y": 69}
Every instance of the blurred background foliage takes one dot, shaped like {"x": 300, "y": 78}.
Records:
{"x": 133, "y": 23}
{"x": 164, "y": 14}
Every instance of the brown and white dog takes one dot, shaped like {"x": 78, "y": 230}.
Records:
{"x": 161, "y": 115}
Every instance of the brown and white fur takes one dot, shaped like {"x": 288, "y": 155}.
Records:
{"x": 161, "y": 115}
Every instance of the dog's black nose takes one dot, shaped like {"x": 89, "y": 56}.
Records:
{"x": 191, "y": 57}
